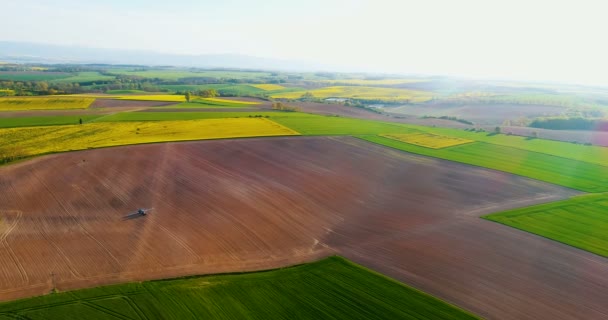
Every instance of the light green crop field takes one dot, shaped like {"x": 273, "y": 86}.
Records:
{"x": 89, "y": 76}
{"x": 580, "y": 221}
{"x": 45, "y": 121}
{"x": 223, "y": 89}
{"x": 125, "y": 91}
{"x": 333, "y": 288}
{"x": 32, "y": 76}
{"x": 570, "y": 173}
{"x": 361, "y": 93}
{"x": 178, "y": 74}
{"x": 592, "y": 154}
{"x": 372, "y": 82}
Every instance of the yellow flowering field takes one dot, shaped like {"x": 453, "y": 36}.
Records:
{"x": 268, "y": 86}
{"x": 428, "y": 140}
{"x": 40, "y": 140}
{"x": 44, "y": 103}
{"x": 361, "y": 93}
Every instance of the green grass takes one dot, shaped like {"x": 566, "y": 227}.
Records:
{"x": 202, "y": 102}
{"x": 223, "y": 89}
{"x": 562, "y": 171}
{"x": 591, "y": 154}
{"x": 161, "y": 116}
{"x": 32, "y": 76}
{"x": 333, "y": 288}
{"x": 45, "y": 121}
{"x": 581, "y": 221}
{"x": 124, "y": 91}
{"x": 89, "y": 76}
{"x": 179, "y": 74}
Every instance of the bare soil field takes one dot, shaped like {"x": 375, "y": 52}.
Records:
{"x": 114, "y": 103}
{"x": 493, "y": 114}
{"x": 360, "y": 113}
{"x": 599, "y": 138}
{"x": 236, "y": 205}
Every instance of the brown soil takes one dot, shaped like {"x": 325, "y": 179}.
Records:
{"x": 113, "y": 103}
{"x": 232, "y": 205}
{"x": 360, "y": 113}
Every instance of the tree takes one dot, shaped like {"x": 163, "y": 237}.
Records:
{"x": 497, "y": 130}
{"x": 307, "y": 96}
{"x": 188, "y": 96}
{"x": 208, "y": 93}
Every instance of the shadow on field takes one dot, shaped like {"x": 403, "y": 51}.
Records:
{"x": 132, "y": 216}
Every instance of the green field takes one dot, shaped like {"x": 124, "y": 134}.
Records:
{"x": 591, "y": 154}
{"x": 124, "y": 91}
{"x": 581, "y": 221}
{"x": 179, "y": 74}
{"x": 223, "y": 89}
{"x": 360, "y": 93}
{"x": 32, "y": 76}
{"x": 88, "y": 76}
{"x": 45, "y": 121}
{"x": 333, "y": 288}
{"x": 570, "y": 173}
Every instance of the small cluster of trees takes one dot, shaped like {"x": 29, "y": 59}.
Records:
{"x": 206, "y": 93}
{"x": 283, "y": 107}
{"x": 29, "y": 88}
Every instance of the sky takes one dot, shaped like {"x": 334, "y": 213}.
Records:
{"x": 562, "y": 41}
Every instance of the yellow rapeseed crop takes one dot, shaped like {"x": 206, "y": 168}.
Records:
{"x": 268, "y": 86}
{"x": 40, "y": 140}
{"x": 361, "y": 93}
{"x": 428, "y": 140}
{"x": 44, "y": 103}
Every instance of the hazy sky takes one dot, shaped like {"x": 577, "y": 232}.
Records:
{"x": 526, "y": 39}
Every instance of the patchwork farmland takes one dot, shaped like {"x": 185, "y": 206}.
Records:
{"x": 315, "y": 183}
{"x": 213, "y": 214}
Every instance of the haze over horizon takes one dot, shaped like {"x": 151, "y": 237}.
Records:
{"x": 557, "y": 41}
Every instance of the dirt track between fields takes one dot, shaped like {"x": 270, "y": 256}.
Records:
{"x": 234, "y": 205}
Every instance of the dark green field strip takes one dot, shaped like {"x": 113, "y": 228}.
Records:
{"x": 581, "y": 221}
{"x": 333, "y": 288}
{"x": 565, "y": 172}
{"x": 45, "y": 121}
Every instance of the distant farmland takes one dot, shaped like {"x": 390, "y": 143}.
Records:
{"x": 268, "y": 87}
{"x": 331, "y": 288}
{"x": 44, "y": 103}
{"x": 361, "y": 93}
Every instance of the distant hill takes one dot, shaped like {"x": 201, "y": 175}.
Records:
{"x": 24, "y": 52}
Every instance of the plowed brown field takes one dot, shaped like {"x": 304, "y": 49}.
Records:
{"x": 233, "y": 205}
